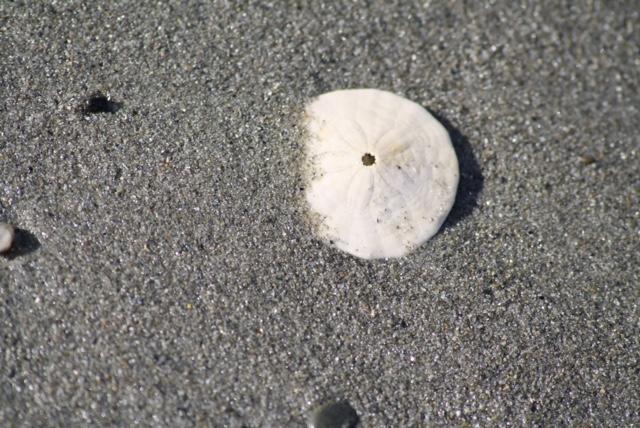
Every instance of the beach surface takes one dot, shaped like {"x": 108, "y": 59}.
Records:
{"x": 163, "y": 272}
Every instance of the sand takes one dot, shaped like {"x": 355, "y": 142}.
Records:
{"x": 163, "y": 272}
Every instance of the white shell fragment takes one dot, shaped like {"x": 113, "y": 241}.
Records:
{"x": 7, "y": 235}
{"x": 383, "y": 174}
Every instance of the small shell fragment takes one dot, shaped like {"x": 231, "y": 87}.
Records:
{"x": 383, "y": 173}
{"x": 7, "y": 236}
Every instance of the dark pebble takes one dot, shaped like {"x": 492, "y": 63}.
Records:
{"x": 334, "y": 415}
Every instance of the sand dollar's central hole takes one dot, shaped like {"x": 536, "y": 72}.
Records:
{"x": 368, "y": 159}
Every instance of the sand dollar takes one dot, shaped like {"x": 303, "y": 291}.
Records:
{"x": 382, "y": 173}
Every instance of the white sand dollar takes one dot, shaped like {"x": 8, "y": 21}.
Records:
{"x": 383, "y": 174}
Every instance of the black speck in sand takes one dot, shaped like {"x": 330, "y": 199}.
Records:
{"x": 98, "y": 103}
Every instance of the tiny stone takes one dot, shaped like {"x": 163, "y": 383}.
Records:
{"x": 334, "y": 415}
{"x": 7, "y": 235}
{"x": 99, "y": 103}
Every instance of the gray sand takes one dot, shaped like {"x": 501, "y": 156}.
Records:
{"x": 163, "y": 274}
